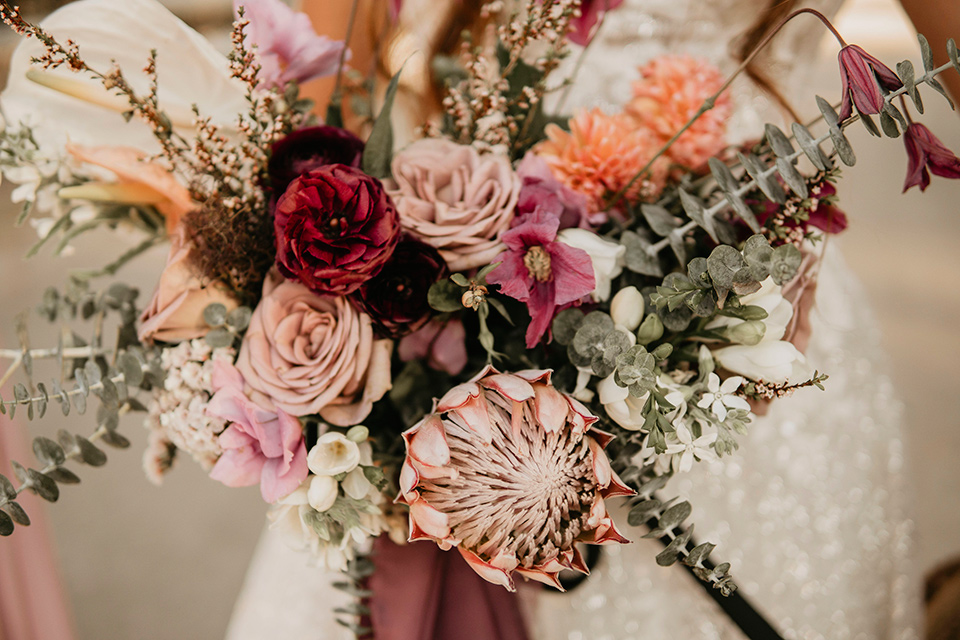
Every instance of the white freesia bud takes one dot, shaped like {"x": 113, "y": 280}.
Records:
{"x": 627, "y": 308}
{"x": 358, "y": 434}
{"x": 322, "y": 493}
{"x": 356, "y": 484}
{"x": 333, "y": 454}
{"x": 748, "y": 333}
{"x": 773, "y": 361}
{"x": 606, "y": 256}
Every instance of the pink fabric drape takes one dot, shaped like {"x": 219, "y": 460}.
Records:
{"x": 32, "y": 601}
{"x": 423, "y": 593}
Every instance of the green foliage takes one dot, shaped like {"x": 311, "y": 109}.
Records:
{"x": 378, "y": 152}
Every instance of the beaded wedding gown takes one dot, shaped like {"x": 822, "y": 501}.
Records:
{"x": 810, "y": 510}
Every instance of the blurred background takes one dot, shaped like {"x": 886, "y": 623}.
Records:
{"x": 149, "y": 563}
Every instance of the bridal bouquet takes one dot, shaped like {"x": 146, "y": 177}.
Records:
{"x": 483, "y": 337}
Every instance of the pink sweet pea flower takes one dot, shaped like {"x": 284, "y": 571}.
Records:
{"x": 259, "y": 446}
{"x": 540, "y": 271}
{"x": 925, "y": 151}
{"x": 863, "y": 76}
{"x": 289, "y": 48}
{"x": 591, "y": 12}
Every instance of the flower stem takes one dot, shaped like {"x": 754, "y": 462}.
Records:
{"x": 710, "y": 102}
{"x": 338, "y": 85}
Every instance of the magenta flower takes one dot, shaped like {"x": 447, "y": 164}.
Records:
{"x": 541, "y": 188}
{"x": 289, "y": 48}
{"x": 259, "y": 446}
{"x": 925, "y": 151}
{"x": 863, "y": 77}
{"x": 540, "y": 271}
{"x": 591, "y": 11}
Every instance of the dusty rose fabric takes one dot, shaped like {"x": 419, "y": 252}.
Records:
{"x": 423, "y": 593}
{"x": 32, "y": 602}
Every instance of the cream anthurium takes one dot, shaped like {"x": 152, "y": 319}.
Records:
{"x": 607, "y": 258}
{"x": 67, "y": 106}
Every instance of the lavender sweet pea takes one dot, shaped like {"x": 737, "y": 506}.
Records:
{"x": 925, "y": 151}
{"x": 290, "y": 50}
{"x": 863, "y": 78}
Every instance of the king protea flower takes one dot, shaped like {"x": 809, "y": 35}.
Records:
{"x": 512, "y": 473}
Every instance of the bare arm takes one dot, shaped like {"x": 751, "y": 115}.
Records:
{"x": 938, "y": 20}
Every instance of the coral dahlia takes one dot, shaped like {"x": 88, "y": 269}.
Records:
{"x": 511, "y": 472}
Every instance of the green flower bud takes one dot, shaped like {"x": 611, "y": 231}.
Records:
{"x": 651, "y": 329}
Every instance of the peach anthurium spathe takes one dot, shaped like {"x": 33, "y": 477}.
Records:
{"x": 138, "y": 182}
{"x": 512, "y": 473}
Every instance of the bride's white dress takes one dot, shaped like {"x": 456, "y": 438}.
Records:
{"x": 810, "y": 511}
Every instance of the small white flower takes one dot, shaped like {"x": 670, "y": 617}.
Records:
{"x": 687, "y": 449}
{"x": 777, "y": 361}
{"x": 719, "y": 397}
{"x": 333, "y": 454}
{"x": 606, "y": 256}
{"x": 323, "y": 492}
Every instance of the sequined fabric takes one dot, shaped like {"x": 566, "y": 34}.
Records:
{"x": 810, "y": 511}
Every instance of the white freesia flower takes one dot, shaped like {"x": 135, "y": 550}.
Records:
{"x": 285, "y": 517}
{"x": 607, "y": 258}
{"x": 73, "y": 106}
{"x": 688, "y": 449}
{"x": 774, "y": 361}
{"x": 323, "y": 492}
{"x": 719, "y": 397}
{"x": 356, "y": 484}
{"x": 627, "y": 308}
{"x": 333, "y": 454}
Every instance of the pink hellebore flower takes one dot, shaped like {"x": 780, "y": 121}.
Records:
{"x": 541, "y": 188}
{"x": 591, "y": 12}
{"x": 863, "y": 76}
{"x": 259, "y": 446}
{"x": 539, "y": 270}
{"x": 925, "y": 151}
{"x": 289, "y": 48}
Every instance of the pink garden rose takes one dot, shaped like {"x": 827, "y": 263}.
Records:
{"x": 451, "y": 197}
{"x": 259, "y": 446}
{"x": 312, "y": 354}
{"x": 176, "y": 311}
{"x": 442, "y": 345}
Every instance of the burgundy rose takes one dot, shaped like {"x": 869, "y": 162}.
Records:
{"x": 309, "y": 149}
{"x": 336, "y": 228}
{"x": 396, "y": 299}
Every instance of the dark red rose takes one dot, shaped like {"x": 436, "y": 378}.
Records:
{"x": 396, "y": 299}
{"x": 336, "y": 228}
{"x": 309, "y": 149}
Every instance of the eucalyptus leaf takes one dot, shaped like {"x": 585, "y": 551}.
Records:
{"x": 7, "y": 490}
{"x": 89, "y": 453}
{"x": 672, "y": 552}
{"x": 219, "y": 338}
{"x": 43, "y": 486}
{"x": 6, "y": 524}
{"x": 48, "y": 452}
{"x": 239, "y": 318}
{"x": 15, "y": 511}
{"x": 115, "y": 440}
{"x": 63, "y": 475}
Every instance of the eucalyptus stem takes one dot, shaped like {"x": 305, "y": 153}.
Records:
{"x": 582, "y": 57}
{"x": 97, "y": 386}
{"x": 655, "y": 248}
{"x": 69, "y": 352}
{"x": 17, "y": 361}
{"x": 68, "y": 455}
{"x": 710, "y": 102}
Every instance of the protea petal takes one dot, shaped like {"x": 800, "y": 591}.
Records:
{"x": 408, "y": 480}
{"x": 458, "y": 396}
{"x": 549, "y": 579}
{"x": 487, "y": 571}
{"x": 427, "y": 442}
{"x": 474, "y": 414}
{"x": 427, "y": 522}
{"x": 509, "y": 386}
{"x": 551, "y": 406}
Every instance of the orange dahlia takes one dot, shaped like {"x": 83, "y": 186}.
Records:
{"x": 668, "y": 94}
{"x": 601, "y": 154}
{"x": 511, "y": 472}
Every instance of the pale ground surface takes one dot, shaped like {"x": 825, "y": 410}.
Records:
{"x": 167, "y": 563}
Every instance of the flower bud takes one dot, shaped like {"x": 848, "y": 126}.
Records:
{"x": 322, "y": 492}
{"x": 650, "y": 330}
{"x": 358, "y": 434}
{"x": 627, "y": 308}
{"x": 748, "y": 333}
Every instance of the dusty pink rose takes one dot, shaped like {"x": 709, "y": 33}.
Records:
{"x": 176, "y": 311}
{"x": 669, "y": 92}
{"x": 143, "y": 181}
{"x": 312, "y": 354}
{"x": 259, "y": 446}
{"x": 441, "y": 344}
{"x": 451, "y": 197}
{"x": 801, "y": 293}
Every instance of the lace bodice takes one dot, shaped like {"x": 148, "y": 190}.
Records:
{"x": 810, "y": 510}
